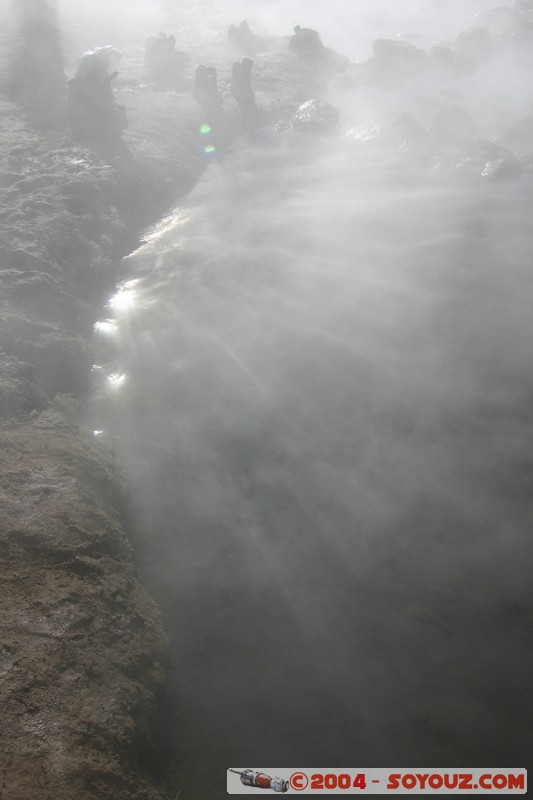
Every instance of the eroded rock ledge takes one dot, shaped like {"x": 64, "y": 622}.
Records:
{"x": 82, "y": 649}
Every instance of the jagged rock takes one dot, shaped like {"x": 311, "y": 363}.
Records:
{"x": 101, "y": 60}
{"x": 241, "y": 82}
{"x": 395, "y": 61}
{"x": 305, "y": 42}
{"x": 307, "y": 45}
{"x": 315, "y": 116}
{"x": 205, "y": 90}
{"x": 242, "y": 91}
{"x": 165, "y": 64}
{"x": 242, "y": 38}
{"x": 95, "y": 116}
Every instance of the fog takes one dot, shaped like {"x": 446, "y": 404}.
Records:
{"x": 324, "y": 413}
{"x": 316, "y": 376}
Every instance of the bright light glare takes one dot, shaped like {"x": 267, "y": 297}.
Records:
{"x": 105, "y": 326}
{"x": 116, "y": 379}
{"x": 124, "y": 299}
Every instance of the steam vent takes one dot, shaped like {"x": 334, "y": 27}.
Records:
{"x": 266, "y": 417}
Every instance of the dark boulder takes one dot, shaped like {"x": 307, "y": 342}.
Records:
{"x": 205, "y": 90}
{"x": 396, "y": 61}
{"x": 472, "y": 47}
{"x": 242, "y": 90}
{"x": 307, "y": 45}
{"x": 242, "y": 38}
{"x": 441, "y": 58}
{"x": 94, "y": 114}
{"x": 164, "y": 63}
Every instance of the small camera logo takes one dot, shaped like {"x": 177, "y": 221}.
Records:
{"x": 259, "y": 780}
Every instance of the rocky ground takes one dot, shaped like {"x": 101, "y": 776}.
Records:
{"x": 82, "y": 653}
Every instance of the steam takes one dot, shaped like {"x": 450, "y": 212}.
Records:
{"x": 324, "y": 420}
{"x": 316, "y": 374}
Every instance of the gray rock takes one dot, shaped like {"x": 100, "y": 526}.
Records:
{"x": 480, "y": 158}
{"x": 395, "y": 61}
{"x": 441, "y": 57}
{"x": 307, "y": 45}
{"x": 242, "y": 38}
{"x": 473, "y": 46}
{"x": 242, "y": 90}
{"x": 504, "y": 168}
{"x": 95, "y": 116}
{"x": 315, "y": 116}
{"x": 165, "y": 64}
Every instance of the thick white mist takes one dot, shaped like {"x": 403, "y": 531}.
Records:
{"x": 321, "y": 400}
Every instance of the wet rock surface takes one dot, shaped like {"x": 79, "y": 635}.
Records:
{"x": 315, "y": 116}
{"x": 83, "y": 652}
